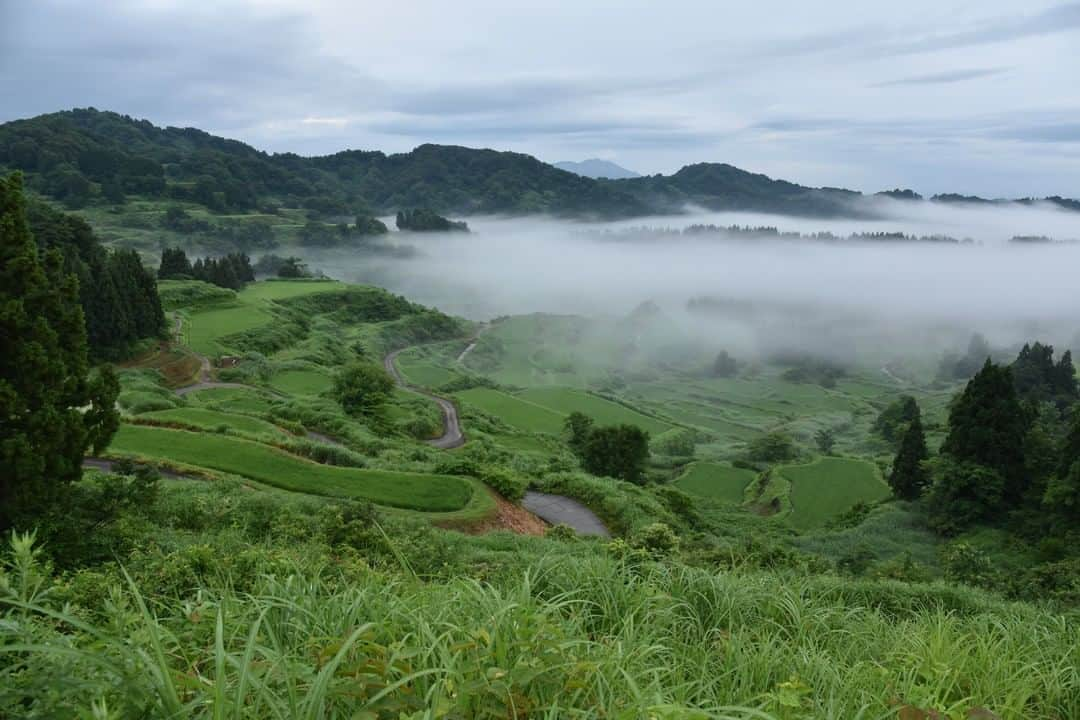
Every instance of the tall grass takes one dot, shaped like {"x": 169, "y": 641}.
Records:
{"x": 565, "y": 638}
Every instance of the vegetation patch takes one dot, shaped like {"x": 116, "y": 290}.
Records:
{"x": 205, "y": 419}
{"x": 826, "y": 487}
{"x": 177, "y": 365}
{"x": 232, "y": 399}
{"x": 514, "y": 411}
{"x": 714, "y": 480}
{"x": 411, "y": 491}
{"x": 301, "y": 382}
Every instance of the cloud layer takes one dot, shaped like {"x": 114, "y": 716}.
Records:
{"x": 976, "y": 98}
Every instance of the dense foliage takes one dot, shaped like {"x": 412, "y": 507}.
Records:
{"x": 363, "y": 388}
{"x": 230, "y": 271}
{"x": 1038, "y": 378}
{"x": 85, "y": 156}
{"x": 424, "y": 220}
{"x": 617, "y": 451}
{"x": 119, "y": 297}
{"x": 909, "y": 476}
{"x": 52, "y": 409}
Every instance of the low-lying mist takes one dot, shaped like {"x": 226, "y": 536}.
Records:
{"x": 878, "y": 299}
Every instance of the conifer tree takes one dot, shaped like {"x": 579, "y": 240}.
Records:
{"x": 51, "y": 412}
{"x": 987, "y": 426}
{"x": 174, "y": 262}
{"x": 909, "y": 476}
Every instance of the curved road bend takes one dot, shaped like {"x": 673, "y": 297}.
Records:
{"x": 452, "y": 436}
{"x": 561, "y": 510}
{"x": 555, "y": 509}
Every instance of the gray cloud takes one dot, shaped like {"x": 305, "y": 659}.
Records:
{"x": 1068, "y": 132}
{"x": 1057, "y": 19}
{"x": 653, "y": 88}
{"x": 944, "y": 78}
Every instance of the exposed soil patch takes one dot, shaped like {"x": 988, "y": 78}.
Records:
{"x": 507, "y": 516}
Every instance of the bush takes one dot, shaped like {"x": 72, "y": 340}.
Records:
{"x": 510, "y": 486}
{"x": 774, "y": 447}
{"x": 658, "y": 539}
{"x": 678, "y": 442}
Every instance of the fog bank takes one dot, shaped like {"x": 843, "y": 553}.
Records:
{"x": 905, "y": 296}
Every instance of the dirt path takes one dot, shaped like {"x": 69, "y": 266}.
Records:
{"x": 472, "y": 344}
{"x": 889, "y": 373}
{"x": 452, "y": 436}
{"x": 206, "y": 380}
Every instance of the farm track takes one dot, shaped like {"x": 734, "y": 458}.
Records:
{"x": 554, "y": 509}
{"x": 452, "y": 436}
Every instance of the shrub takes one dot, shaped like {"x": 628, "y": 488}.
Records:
{"x": 510, "y": 486}
{"x": 679, "y": 442}
{"x": 774, "y": 447}
{"x": 658, "y": 539}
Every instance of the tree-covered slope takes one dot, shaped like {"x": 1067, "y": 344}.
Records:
{"x": 83, "y": 156}
{"x": 86, "y": 156}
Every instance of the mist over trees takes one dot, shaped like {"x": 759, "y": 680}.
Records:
{"x": 424, "y": 220}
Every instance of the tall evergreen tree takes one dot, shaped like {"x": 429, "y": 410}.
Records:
{"x": 909, "y": 476}
{"x": 174, "y": 262}
{"x": 987, "y": 426}
{"x": 51, "y": 412}
{"x": 138, "y": 291}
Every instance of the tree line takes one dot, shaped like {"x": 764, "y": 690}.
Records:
{"x": 228, "y": 271}
{"x": 118, "y": 296}
{"x": 1012, "y": 448}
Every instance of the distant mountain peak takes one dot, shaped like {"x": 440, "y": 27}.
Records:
{"x": 596, "y": 168}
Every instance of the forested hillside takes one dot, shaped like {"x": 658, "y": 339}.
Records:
{"x": 88, "y": 157}
{"x": 119, "y": 296}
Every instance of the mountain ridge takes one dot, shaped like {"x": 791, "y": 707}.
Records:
{"x": 86, "y": 156}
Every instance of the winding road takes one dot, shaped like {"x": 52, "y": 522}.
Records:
{"x": 452, "y": 436}
{"x": 554, "y": 509}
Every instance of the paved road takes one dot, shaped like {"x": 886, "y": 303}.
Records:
{"x": 558, "y": 509}
{"x": 452, "y": 436}
{"x": 555, "y": 509}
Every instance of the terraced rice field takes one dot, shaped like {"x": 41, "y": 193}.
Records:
{"x": 206, "y": 419}
{"x": 514, "y": 411}
{"x": 268, "y": 465}
{"x": 604, "y": 412}
{"x": 827, "y": 487}
{"x": 713, "y": 480}
{"x": 301, "y": 382}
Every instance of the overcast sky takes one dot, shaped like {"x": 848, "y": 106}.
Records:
{"x": 975, "y": 96}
